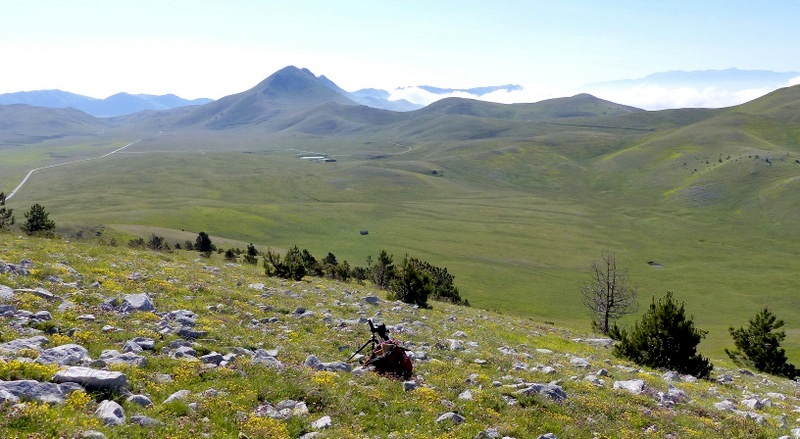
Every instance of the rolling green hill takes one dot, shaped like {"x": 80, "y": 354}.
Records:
{"x": 515, "y": 200}
{"x": 22, "y": 124}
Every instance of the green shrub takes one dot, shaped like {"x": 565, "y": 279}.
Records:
{"x": 36, "y": 220}
{"x": 665, "y": 338}
{"x": 759, "y": 346}
{"x": 291, "y": 267}
{"x": 412, "y": 284}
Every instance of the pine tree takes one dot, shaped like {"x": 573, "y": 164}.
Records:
{"x": 203, "y": 243}
{"x": 665, "y": 338}
{"x": 252, "y": 254}
{"x": 383, "y": 271}
{"x": 759, "y": 346}
{"x": 412, "y": 284}
{"x": 291, "y": 267}
{"x": 6, "y": 215}
{"x": 36, "y": 220}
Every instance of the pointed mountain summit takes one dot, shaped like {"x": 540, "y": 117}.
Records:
{"x": 281, "y": 94}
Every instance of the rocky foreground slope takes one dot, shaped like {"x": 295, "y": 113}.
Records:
{"x": 105, "y": 341}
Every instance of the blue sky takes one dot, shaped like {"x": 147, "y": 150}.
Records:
{"x": 206, "y": 48}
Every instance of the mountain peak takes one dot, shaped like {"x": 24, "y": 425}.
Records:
{"x": 298, "y": 87}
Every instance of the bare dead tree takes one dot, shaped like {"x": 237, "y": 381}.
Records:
{"x": 608, "y": 294}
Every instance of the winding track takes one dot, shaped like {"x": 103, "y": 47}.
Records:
{"x": 24, "y": 180}
{"x": 62, "y": 164}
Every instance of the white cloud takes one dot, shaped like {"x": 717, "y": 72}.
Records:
{"x": 526, "y": 95}
{"x": 794, "y": 81}
{"x": 653, "y": 97}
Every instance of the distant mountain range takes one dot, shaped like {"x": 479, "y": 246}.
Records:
{"x": 731, "y": 79}
{"x": 116, "y": 105}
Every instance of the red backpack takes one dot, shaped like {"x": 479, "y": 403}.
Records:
{"x": 390, "y": 359}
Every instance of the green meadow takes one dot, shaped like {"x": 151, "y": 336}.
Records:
{"x": 517, "y": 218}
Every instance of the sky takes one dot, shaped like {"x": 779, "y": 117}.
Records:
{"x": 553, "y": 48}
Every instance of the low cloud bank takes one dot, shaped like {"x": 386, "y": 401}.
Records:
{"x": 527, "y": 94}
{"x": 653, "y": 97}
{"x": 645, "y": 96}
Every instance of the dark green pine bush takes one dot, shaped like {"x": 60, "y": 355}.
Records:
{"x": 759, "y": 345}
{"x": 665, "y": 338}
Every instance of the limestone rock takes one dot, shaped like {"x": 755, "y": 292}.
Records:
{"x": 6, "y": 293}
{"x": 372, "y": 300}
{"x": 137, "y": 302}
{"x": 30, "y": 390}
{"x": 313, "y": 362}
{"x": 34, "y": 343}
{"x": 262, "y": 356}
{"x": 64, "y": 355}
{"x": 8, "y": 397}
{"x": 141, "y": 400}
{"x": 553, "y": 391}
{"x": 110, "y": 413}
{"x": 322, "y": 423}
{"x": 634, "y": 387}
{"x": 144, "y": 421}
{"x": 93, "y": 379}
{"x": 111, "y": 356}
{"x": 451, "y": 416}
{"x": 177, "y": 396}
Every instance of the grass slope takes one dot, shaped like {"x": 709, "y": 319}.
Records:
{"x": 233, "y": 303}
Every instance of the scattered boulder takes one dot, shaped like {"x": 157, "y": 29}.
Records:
{"x": 40, "y": 292}
{"x": 64, "y": 355}
{"x": 93, "y": 379}
{"x": 451, "y": 416}
{"x": 634, "y": 387}
{"x": 6, "y": 293}
{"x": 145, "y": 343}
{"x": 110, "y": 413}
{"x": 31, "y": 390}
{"x": 137, "y": 302}
{"x": 184, "y": 351}
{"x": 725, "y": 405}
{"x": 43, "y": 316}
{"x": 753, "y": 404}
{"x": 191, "y": 334}
{"x": 313, "y": 362}
{"x": 372, "y": 300}
{"x": 579, "y": 362}
{"x": 322, "y": 423}
{"x": 111, "y": 356}
{"x": 33, "y": 343}
{"x": 130, "y": 346}
{"x": 265, "y": 357}
{"x": 177, "y": 396}
{"x": 21, "y": 269}
{"x": 212, "y": 358}
{"x": 144, "y": 421}
{"x": 141, "y": 400}
{"x": 552, "y": 391}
